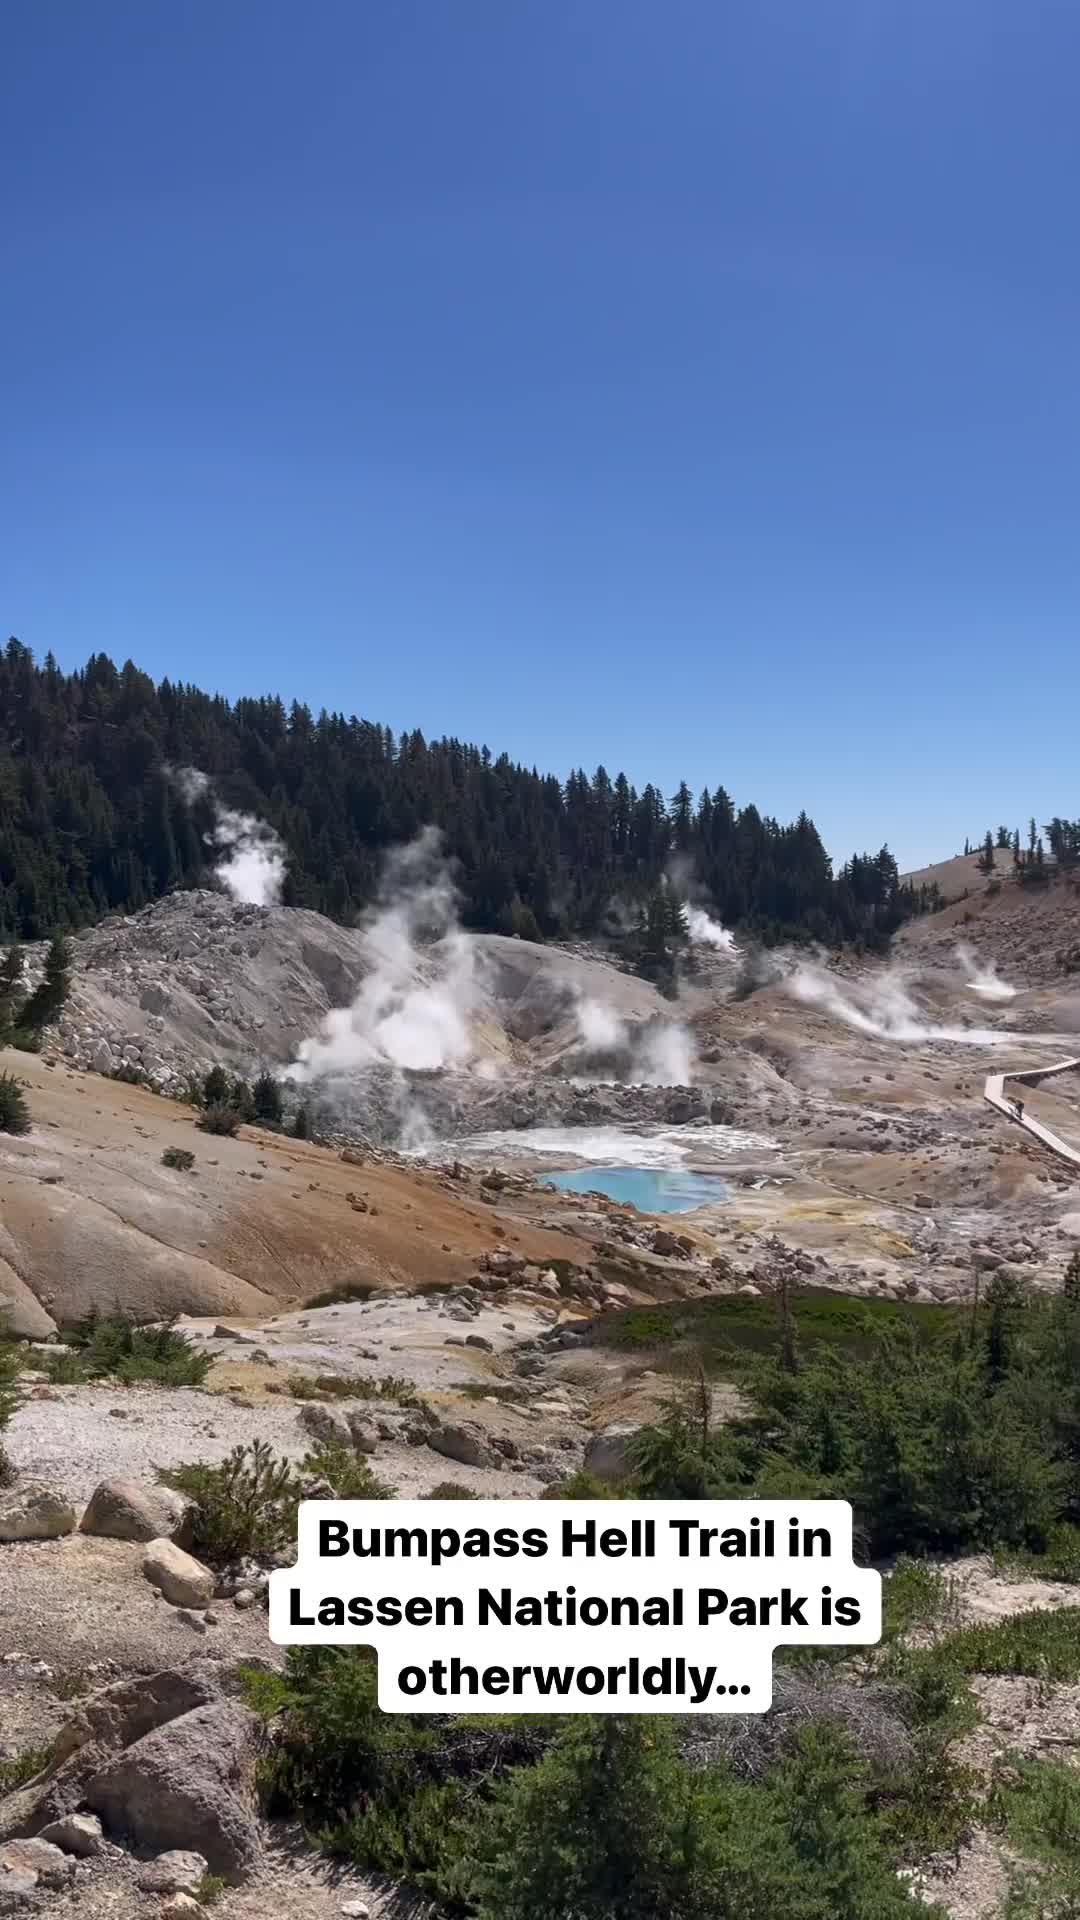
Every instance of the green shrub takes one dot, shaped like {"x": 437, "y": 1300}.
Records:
{"x": 112, "y": 1346}
{"x": 25, "y": 1766}
{"x": 451, "y": 1490}
{"x": 244, "y": 1506}
{"x": 341, "y": 1296}
{"x": 343, "y": 1386}
{"x": 25, "y": 1040}
{"x": 179, "y": 1158}
{"x": 219, "y": 1119}
{"x": 14, "y": 1112}
{"x": 346, "y": 1472}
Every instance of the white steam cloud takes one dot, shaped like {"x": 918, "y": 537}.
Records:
{"x": 654, "y": 1053}
{"x": 251, "y": 856}
{"x": 413, "y": 1009}
{"x": 984, "y": 979}
{"x": 707, "y": 932}
{"x": 882, "y": 1005}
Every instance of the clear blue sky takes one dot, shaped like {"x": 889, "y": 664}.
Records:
{"x": 691, "y": 386}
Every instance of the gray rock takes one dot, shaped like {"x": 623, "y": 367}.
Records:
{"x": 188, "y": 1785}
{"x": 325, "y": 1425}
{"x": 16, "y": 1890}
{"x": 77, "y": 1833}
{"x": 39, "y": 1858}
{"x": 178, "y": 1871}
{"x": 478, "y": 1340}
{"x": 32, "y": 1511}
{"x": 184, "y": 1582}
{"x": 463, "y": 1442}
{"x": 126, "y": 1510}
{"x": 607, "y": 1454}
{"x": 363, "y": 1433}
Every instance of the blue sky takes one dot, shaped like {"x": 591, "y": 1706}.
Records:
{"x": 688, "y": 387}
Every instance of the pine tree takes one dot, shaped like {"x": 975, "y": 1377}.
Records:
{"x": 266, "y": 1100}
{"x": 14, "y": 1112}
{"x": 986, "y": 857}
{"x": 50, "y": 997}
{"x": 215, "y": 1088}
{"x": 301, "y": 1126}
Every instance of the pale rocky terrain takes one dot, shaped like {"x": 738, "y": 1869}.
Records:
{"x": 866, "y": 1163}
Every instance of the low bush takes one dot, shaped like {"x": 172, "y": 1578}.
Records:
{"x": 112, "y": 1346}
{"x": 220, "y": 1120}
{"x": 244, "y": 1506}
{"x": 346, "y": 1472}
{"x": 181, "y": 1159}
{"x": 343, "y": 1386}
{"x": 342, "y": 1296}
{"x": 451, "y": 1490}
{"x": 25, "y": 1766}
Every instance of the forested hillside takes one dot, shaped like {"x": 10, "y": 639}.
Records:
{"x": 90, "y": 821}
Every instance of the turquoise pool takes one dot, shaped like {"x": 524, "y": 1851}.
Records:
{"x": 649, "y": 1189}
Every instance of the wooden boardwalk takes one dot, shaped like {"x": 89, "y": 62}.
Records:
{"x": 995, "y": 1092}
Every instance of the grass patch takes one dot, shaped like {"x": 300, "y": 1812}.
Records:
{"x": 1036, "y": 1803}
{"x": 112, "y": 1346}
{"x": 1059, "y": 1561}
{"x": 721, "y": 1328}
{"x": 342, "y": 1296}
{"x": 24, "y": 1767}
{"x": 342, "y": 1386}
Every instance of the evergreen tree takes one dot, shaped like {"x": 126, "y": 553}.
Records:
{"x": 215, "y": 1088}
{"x": 986, "y": 857}
{"x": 50, "y": 996}
{"x": 266, "y": 1100}
{"x": 90, "y": 824}
{"x": 14, "y": 1112}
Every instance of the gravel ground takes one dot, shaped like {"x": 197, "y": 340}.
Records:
{"x": 88, "y": 1434}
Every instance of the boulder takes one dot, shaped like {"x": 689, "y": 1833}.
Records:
{"x": 188, "y": 1785}
{"x": 362, "y": 1433}
{"x": 464, "y": 1442}
{"x": 16, "y": 1890}
{"x": 77, "y": 1833}
{"x": 49, "y": 1867}
{"x": 180, "y": 1907}
{"x": 183, "y": 1581}
{"x": 179, "y": 1871}
{"x": 33, "y": 1511}
{"x": 126, "y": 1510}
{"x": 326, "y": 1425}
{"x": 607, "y": 1454}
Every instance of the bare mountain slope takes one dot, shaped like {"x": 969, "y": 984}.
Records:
{"x": 90, "y": 1217}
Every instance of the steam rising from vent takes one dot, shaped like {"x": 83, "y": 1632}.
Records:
{"x": 883, "y": 1006}
{"x": 707, "y": 932}
{"x": 654, "y": 1053}
{"x": 251, "y": 863}
{"x": 413, "y": 1009}
{"x": 600, "y": 1027}
{"x": 984, "y": 980}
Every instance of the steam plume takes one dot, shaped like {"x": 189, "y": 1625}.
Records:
{"x": 412, "y": 1011}
{"x": 983, "y": 979}
{"x": 707, "y": 932}
{"x": 251, "y": 865}
{"x": 883, "y": 1006}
